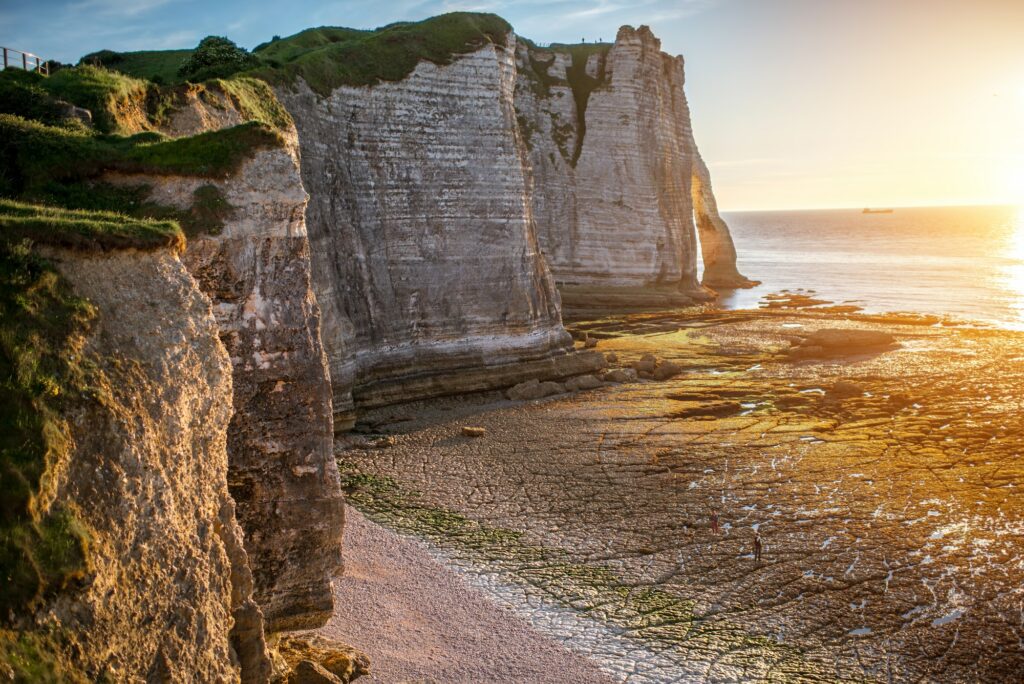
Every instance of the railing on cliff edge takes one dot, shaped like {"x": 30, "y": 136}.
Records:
{"x": 29, "y": 62}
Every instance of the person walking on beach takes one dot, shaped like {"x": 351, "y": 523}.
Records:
{"x": 758, "y": 546}
{"x": 714, "y": 521}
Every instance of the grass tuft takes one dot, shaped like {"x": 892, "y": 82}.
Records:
{"x": 87, "y": 230}
{"x": 117, "y": 102}
{"x": 28, "y": 657}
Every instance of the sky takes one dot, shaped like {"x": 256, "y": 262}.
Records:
{"x": 795, "y": 103}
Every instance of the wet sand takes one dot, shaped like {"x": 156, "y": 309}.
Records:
{"x": 887, "y": 505}
{"x": 420, "y": 622}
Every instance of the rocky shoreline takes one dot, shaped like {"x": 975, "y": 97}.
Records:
{"x": 877, "y": 480}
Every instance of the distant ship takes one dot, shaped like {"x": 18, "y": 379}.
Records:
{"x": 876, "y": 211}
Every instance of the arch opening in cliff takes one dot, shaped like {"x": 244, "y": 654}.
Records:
{"x": 717, "y": 250}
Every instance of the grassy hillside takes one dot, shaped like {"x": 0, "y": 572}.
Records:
{"x": 160, "y": 66}
{"x": 328, "y": 57}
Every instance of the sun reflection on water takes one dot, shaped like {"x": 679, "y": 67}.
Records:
{"x": 1015, "y": 274}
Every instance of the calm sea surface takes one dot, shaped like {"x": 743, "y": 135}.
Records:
{"x": 962, "y": 262}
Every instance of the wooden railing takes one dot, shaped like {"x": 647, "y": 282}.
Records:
{"x": 15, "y": 59}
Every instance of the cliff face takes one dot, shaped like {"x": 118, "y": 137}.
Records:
{"x": 147, "y": 475}
{"x": 425, "y": 259}
{"x": 617, "y": 174}
{"x": 282, "y": 474}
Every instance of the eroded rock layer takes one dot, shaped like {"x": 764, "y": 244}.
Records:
{"x": 282, "y": 475}
{"x": 425, "y": 259}
{"x": 147, "y": 475}
{"x": 617, "y": 175}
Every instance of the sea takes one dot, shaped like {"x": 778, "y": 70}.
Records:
{"x": 963, "y": 263}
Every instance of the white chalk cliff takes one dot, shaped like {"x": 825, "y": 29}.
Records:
{"x": 425, "y": 260}
{"x": 618, "y": 180}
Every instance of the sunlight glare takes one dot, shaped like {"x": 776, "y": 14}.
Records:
{"x": 1016, "y": 268}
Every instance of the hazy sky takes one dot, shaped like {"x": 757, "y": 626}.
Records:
{"x": 796, "y": 103}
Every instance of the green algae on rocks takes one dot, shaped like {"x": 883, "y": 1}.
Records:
{"x": 594, "y": 589}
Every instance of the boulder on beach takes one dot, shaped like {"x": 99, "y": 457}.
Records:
{"x": 620, "y": 375}
{"x": 666, "y": 370}
{"x": 534, "y": 389}
{"x": 846, "y": 388}
{"x": 590, "y": 343}
{"x": 582, "y": 382}
{"x": 469, "y": 431}
{"x": 834, "y": 342}
{"x": 314, "y": 658}
{"x": 611, "y": 357}
{"x": 839, "y": 338}
{"x": 646, "y": 364}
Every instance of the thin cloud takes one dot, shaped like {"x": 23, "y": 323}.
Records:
{"x": 123, "y": 8}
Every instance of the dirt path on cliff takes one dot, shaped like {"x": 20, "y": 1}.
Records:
{"x": 420, "y": 622}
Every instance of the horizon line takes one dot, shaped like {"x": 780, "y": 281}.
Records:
{"x": 879, "y": 206}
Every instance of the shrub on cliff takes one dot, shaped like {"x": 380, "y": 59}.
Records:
{"x": 216, "y": 57}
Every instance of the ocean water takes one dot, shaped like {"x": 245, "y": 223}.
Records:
{"x": 958, "y": 262}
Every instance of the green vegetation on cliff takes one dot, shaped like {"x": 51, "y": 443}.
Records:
{"x": 42, "y": 370}
{"x": 158, "y": 66}
{"x": 29, "y": 657}
{"x": 82, "y": 229}
{"x": 577, "y": 79}
{"x": 45, "y": 374}
{"x": 216, "y": 57}
{"x": 327, "y": 58}
{"x": 33, "y": 154}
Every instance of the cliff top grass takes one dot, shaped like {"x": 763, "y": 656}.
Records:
{"x": 33, "y": 154}
{"x": 110, "y": 97}
{"x": 83, "y": 229}
{"x": 327, "y": 58}
{"x": 158, "y": 66}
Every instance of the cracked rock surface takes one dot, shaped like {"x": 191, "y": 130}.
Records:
{"x": 882, "y": 484}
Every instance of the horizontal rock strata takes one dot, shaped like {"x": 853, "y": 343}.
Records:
{"x": 617, "y": 175}
{"x": 425, "y": 260}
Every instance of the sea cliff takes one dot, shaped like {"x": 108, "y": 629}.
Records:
{"x": 618, "y": 180}
{"x": 368, "y": 218}
{"x": 426, "y": 261}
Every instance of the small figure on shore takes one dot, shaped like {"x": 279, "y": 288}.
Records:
{"x": 714, "y": 521}
{"x": 758, "y": 546}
